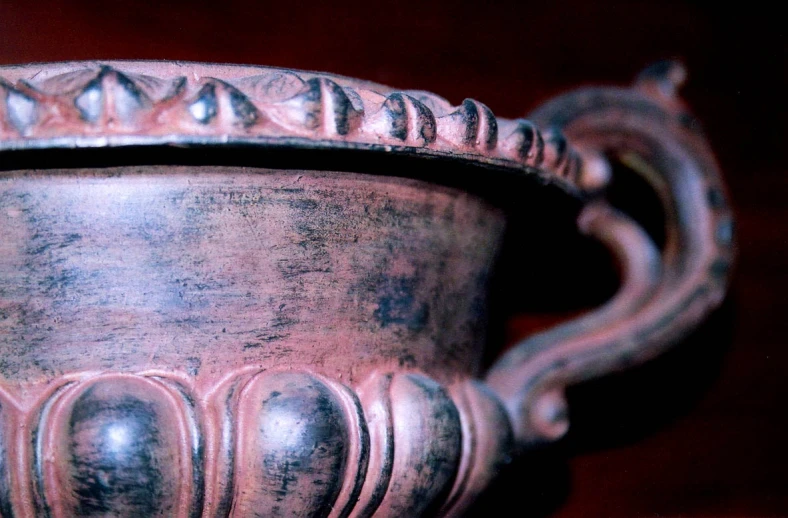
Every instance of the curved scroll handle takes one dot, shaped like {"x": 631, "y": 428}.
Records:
{"x": 663, "y": 295}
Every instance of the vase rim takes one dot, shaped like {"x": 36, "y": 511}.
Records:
{"x": 154, "y": 104}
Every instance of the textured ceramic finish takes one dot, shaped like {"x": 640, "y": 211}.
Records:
{"x": 95, "y": 105}
{"x": 216, "y": 339}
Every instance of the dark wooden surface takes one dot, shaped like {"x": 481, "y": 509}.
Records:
{"x": 699, "y": 432}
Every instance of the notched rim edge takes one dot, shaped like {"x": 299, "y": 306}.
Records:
{"x": 139, "y": 103}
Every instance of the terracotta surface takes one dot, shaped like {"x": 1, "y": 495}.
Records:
{"x": 233, "y": 292}
{"x": 682, "y": 465}
{"x": 204, "y": 339}
{"x": 260, "y": 266}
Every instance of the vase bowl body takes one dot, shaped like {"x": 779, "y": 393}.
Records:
{"x": 246, "y": 291}
{"x": 215, "y": 334}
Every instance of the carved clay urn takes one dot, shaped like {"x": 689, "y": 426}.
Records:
{"x": 245, "y": 291}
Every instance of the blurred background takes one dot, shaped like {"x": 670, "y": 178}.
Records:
{"x": 699, "y": 432}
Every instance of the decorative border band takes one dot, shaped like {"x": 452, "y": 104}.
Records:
{"x": 258, "y": 443}
{"x": 102, "y": 105}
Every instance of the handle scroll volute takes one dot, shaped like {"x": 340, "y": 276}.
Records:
{"x": 664, "y": 294}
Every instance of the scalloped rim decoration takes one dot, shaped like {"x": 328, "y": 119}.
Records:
{"x": 86, "y": 104}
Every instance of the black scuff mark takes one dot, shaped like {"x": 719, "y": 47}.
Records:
{"x": 398, "y": 305}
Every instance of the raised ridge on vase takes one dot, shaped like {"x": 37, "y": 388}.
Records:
{"x": 277, "y": 442}
{"x": 8, "y": 420}
{"x": 117, "y": 444}
{"x": 99, "y": 105}
{"x": 292, "y": 446}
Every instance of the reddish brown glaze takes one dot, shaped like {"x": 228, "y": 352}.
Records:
{"x": 208, "y": 338}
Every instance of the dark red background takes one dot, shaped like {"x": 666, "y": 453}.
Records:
{"x": 699, "y": 432}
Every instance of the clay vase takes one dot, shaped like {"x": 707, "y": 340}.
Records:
{"x": 244, "y": 291}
